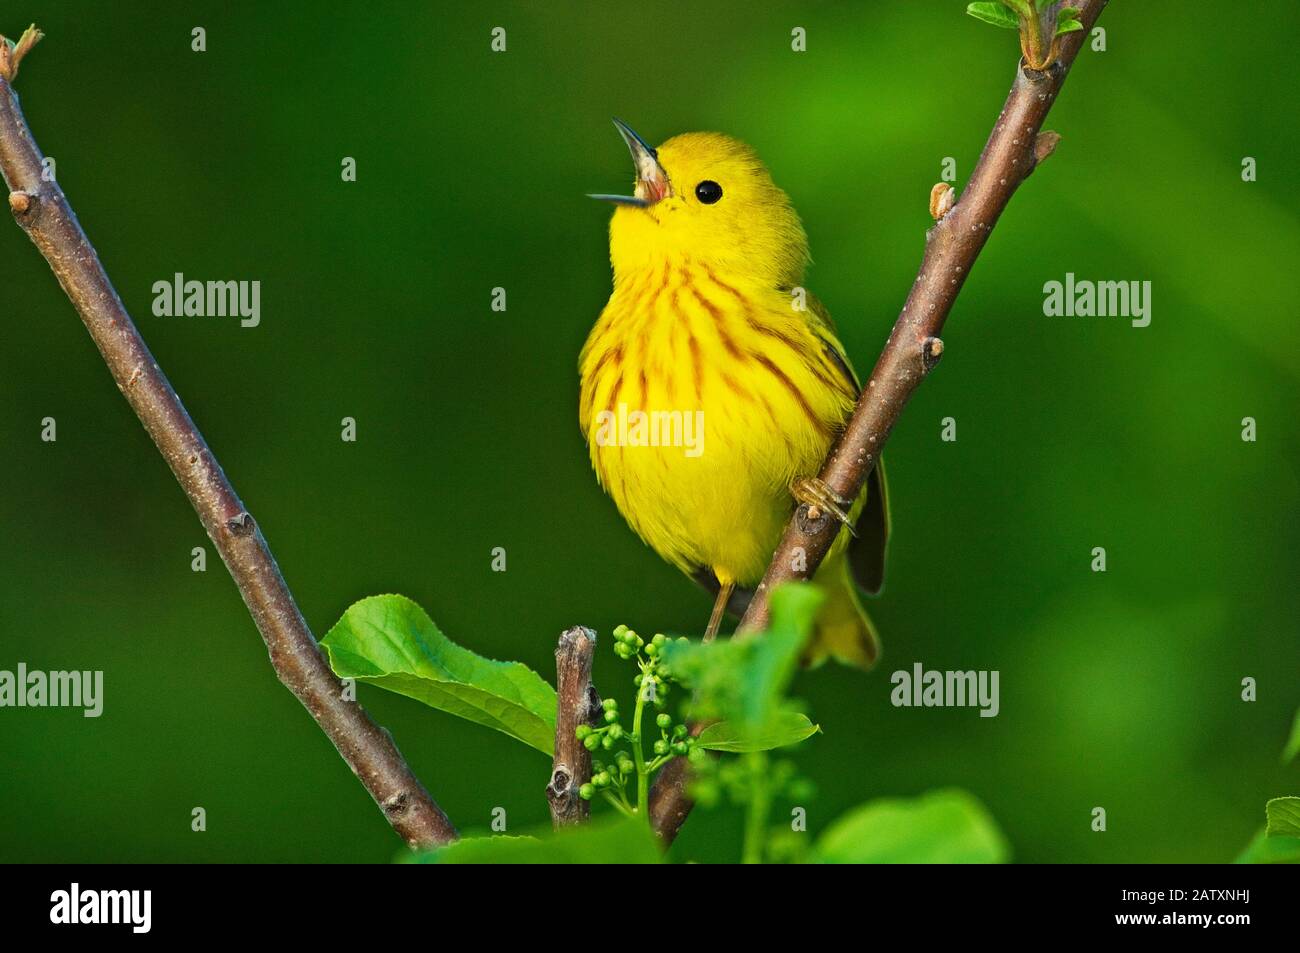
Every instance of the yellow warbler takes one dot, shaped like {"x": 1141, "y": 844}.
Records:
{"x": 713, "y": 384}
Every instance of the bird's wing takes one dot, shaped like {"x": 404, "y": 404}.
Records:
{"x": 819, "y": 319}
{"x": 867, "y": 548}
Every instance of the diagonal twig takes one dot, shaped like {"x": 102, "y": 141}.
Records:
{"x": 1015, "y": 146}
{"x": 42, "y": 210}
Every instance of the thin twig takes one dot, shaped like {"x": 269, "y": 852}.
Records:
{"x": 578, "y": 704}
{"x": 44, "y": 213}
{"x": 914, "y": 346}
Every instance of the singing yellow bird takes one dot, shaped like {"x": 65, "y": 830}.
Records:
{"x": 713, "y": 384}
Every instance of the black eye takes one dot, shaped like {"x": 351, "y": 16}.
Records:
{"x": 708, "y": 191}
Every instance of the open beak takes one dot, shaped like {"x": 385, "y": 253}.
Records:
{"x": 651, "y": 179}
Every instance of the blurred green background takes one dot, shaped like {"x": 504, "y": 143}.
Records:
{"x": 1119, "y": 690}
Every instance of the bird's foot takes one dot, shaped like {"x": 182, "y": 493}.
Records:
{"x": 813, "y": 493}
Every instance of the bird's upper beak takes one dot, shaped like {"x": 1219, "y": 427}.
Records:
{"x": 651, "y": 180}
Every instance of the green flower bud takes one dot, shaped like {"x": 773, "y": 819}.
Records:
{"x": 587, "y": 792}
{"x": 607, "y": 742}
{"x": 591, "y": 742}
{"x": 680, "y": 748}
{"x": 661, "y": 747}
{"x": 581, "y": 732}
{"x": 609, "y": 704}
{"x": 652, "y": 650}
{"x": 680, "y": 731}
{"x": 615, "y": 731}
{"x": 601, "y": 780}
{"x": 619, "y": 631}
{"x": 611, "y": 717}
{"x": 664, "y": 721}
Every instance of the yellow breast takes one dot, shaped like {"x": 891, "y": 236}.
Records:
{"x": 703, "y": 395}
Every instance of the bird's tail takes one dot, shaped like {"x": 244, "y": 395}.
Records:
{"x": 842, "y": 630}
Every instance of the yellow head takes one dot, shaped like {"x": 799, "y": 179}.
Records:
{"x": 705, "y": 197}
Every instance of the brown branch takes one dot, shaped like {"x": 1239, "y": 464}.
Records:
{"x": 669, "y": 802}
{"x": 914, "y": 346}
{"x": 44, "y": 213}
{"x": 577, "y": 704}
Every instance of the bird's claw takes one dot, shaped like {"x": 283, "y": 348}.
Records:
{"x": 813, "y": 493}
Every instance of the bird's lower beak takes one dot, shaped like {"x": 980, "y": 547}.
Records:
{"x": 651, "y": 180}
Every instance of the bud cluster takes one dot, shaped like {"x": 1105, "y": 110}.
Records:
{"x": 627, "y": 760}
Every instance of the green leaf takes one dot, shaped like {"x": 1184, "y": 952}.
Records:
{"x": 626, "y": 840}
{"x": 994, "y": 13}
{"x": 1283, "y": 815}
{"x": 1270, "y": 850}
{"x": 1279, "y": 841}
{"x": 1067, "y": 26}
{"x": 940, "y": 827}
{"x": 787, "y": 728}
{"x": 391, "y": 642}
{"x": 743, "y": 681}
{"x": 774, "y": 660}
{"x": 1293, "y": 743}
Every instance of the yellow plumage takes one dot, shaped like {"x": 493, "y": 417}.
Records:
{"x": 708, "y": 319}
